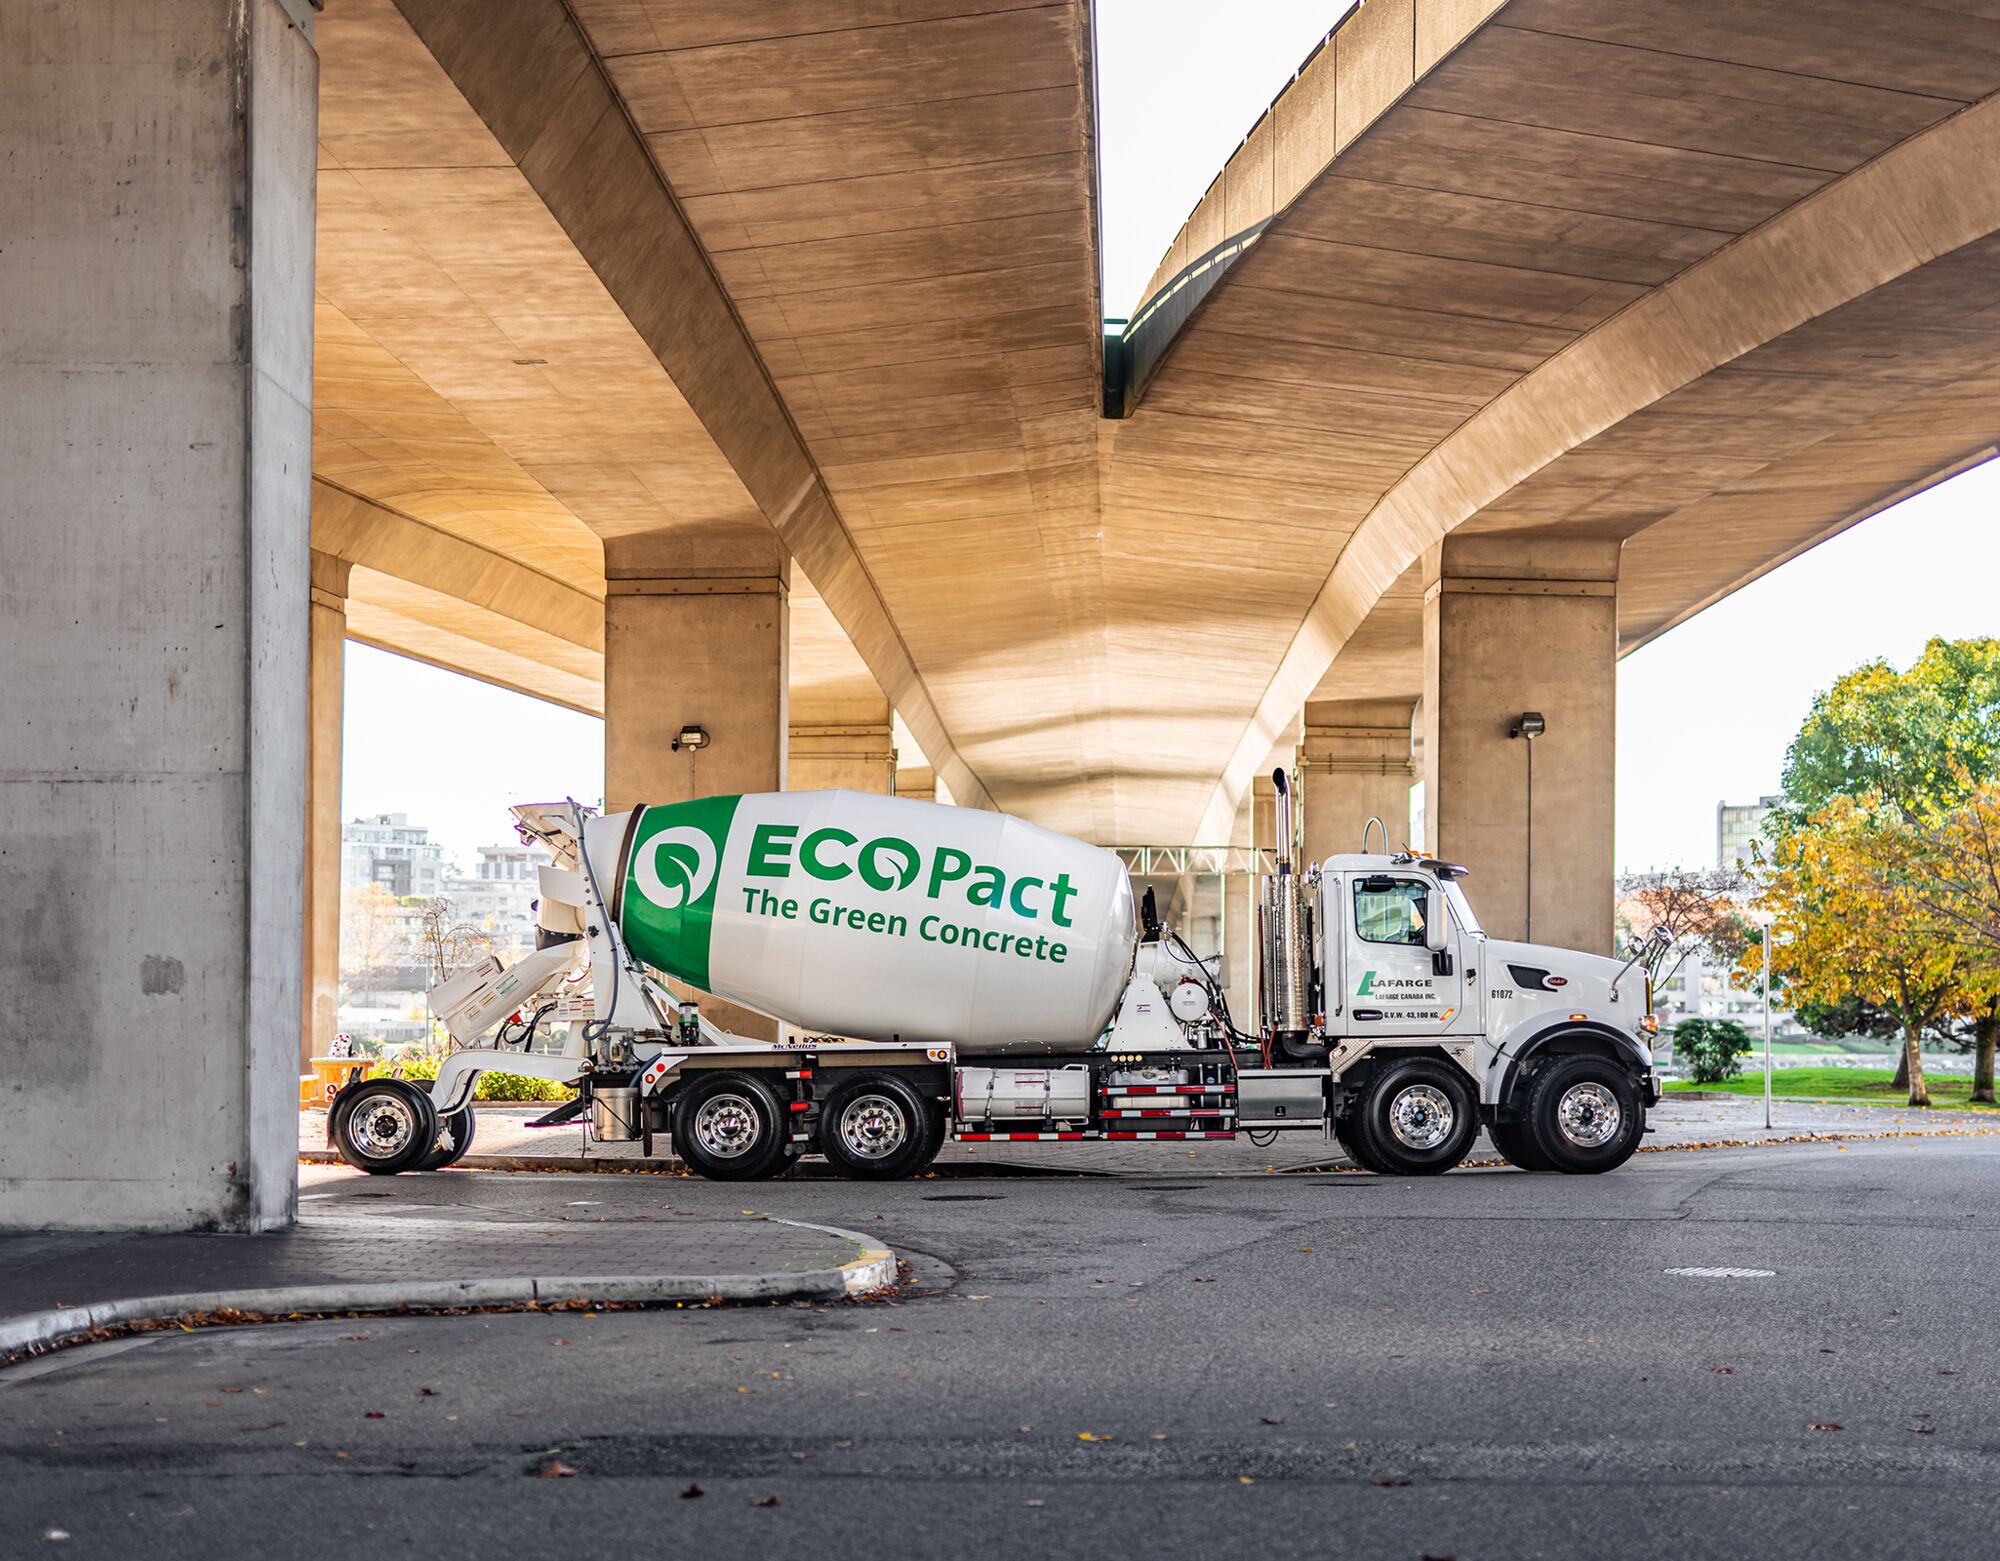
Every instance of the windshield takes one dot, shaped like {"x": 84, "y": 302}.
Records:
{"x": 1462, "y": 908}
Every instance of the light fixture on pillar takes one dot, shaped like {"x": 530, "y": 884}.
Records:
{"x": 1529, "y": 725}
{"x": 697, "y": 737}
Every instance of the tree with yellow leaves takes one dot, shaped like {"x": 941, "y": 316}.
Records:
{"x": 1950, "y": 872}
{"x": 1849, "y": 922}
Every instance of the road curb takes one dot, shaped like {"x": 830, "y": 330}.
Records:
{"x": 33, "y": 1332}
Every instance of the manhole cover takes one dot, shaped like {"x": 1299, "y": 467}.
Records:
{"x": 963, "y": 1197}
{"x": 1723, "y": 1273}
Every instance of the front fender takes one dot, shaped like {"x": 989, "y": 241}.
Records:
{"x": 1604, "y": 1040}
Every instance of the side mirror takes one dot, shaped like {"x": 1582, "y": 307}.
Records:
{"x": 1434, "y": 927}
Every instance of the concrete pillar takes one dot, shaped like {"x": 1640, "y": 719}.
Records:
{"x": 156, "y": 284}
{"x": 1356, "y": 765}
{"x": 327, "y": 665}
{"x": 705, "y": 646}
{"x": 1509, "y": 627}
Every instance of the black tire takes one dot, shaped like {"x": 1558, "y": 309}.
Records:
{"x": 454, "y": 1137}
{"x": 1583, "y": 1115}
{"x": 940, "y": 1134}
{"x": 731, "y": 1127}
{"x": 1417, "y": 1117}
{"x": 1511, "y": 1139}
{"x": 383, "y": 1126}
{"x": 875, "y": 1126}
{"x": 1344, "y": 1135}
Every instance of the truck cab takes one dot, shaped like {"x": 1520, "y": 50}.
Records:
{"x": 1553, "y": 1045}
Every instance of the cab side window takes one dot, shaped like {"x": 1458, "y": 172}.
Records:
{"x": 1389, "y": 910}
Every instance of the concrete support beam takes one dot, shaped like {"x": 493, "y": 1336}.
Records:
{"x": 917, "y": 782}
{"x": 1356, "y": 765}
{"x": 325, "y": 674}
{"x": 156, "y": 286}
{"x": 850, "y": 755}
{"x": 1512, "y": 626}
{"x": 708, "y": 650}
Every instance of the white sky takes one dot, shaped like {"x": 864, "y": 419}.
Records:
{"x": 1704, "y": 713}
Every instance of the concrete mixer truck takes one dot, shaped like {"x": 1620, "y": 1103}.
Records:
{"x": 946, "y": 974}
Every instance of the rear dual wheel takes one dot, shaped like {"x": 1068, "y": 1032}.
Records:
{"x": 732, "y": 1127}
{"x": 1417, "y": 1117}
{"x": 877, "y": 1127}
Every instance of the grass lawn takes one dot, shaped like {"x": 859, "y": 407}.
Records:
{"x": 1870, "y": 1086}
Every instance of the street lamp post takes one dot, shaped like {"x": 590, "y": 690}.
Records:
{"x": 1764, "y": 919}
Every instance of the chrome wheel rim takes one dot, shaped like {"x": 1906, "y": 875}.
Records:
{"x": 382, "y": 1126}
{"x": 1589, "y": 1115}
{"x": 1421, "y": 1116}
{"x": 873, "y": 1127}
{"x": 727, "y": 1125}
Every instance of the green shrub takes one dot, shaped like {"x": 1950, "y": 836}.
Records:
{"x": 1711, "y": 1049}
{"x": 492, "y": 1086}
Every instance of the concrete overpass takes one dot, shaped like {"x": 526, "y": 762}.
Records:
{"x": 741, "y": 366}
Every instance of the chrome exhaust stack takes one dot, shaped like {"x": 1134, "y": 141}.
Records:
{"x": 1284, "y": 929}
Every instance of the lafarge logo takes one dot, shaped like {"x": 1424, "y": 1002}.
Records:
{"x": 692, "y": 863}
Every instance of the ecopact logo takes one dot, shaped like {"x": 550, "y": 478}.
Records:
{"x": 692, "y": 861}
{"x": 668, "y": 907}
{"x": 889, "y": 862}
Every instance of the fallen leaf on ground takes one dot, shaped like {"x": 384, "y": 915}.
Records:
{"x": 1244, "y": 1479}
{"x": 691, "y": 1492}
{"x": 1390, "y": 1479}
{"x": 1089, "y": 1436}
{"x": 1824, "y": 1425}
{"x": 355, "y": 1338}
{"x": 373, "y": 1414}
{"x": 1723, "y": 1371}
{"x": 556, "y": 1469}
{"x": 1274, "y": 1420}
{"x": 767, "y": 1501}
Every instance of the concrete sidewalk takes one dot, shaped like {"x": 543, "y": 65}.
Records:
{"x": 362, "y": 1244}
{"x": 505, "y": 1142}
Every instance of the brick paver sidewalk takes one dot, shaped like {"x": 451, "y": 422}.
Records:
{"x": 415, "y": 1234}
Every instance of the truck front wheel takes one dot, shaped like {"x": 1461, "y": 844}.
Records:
{"x": 731, "y": 1127}
{"x": 876, "y": 1127}
{"x": 1416, "y": 1118}
{"x": 1582, "y": 1115}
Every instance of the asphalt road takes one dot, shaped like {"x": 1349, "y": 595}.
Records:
{"x": 1486, "y": 1365}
